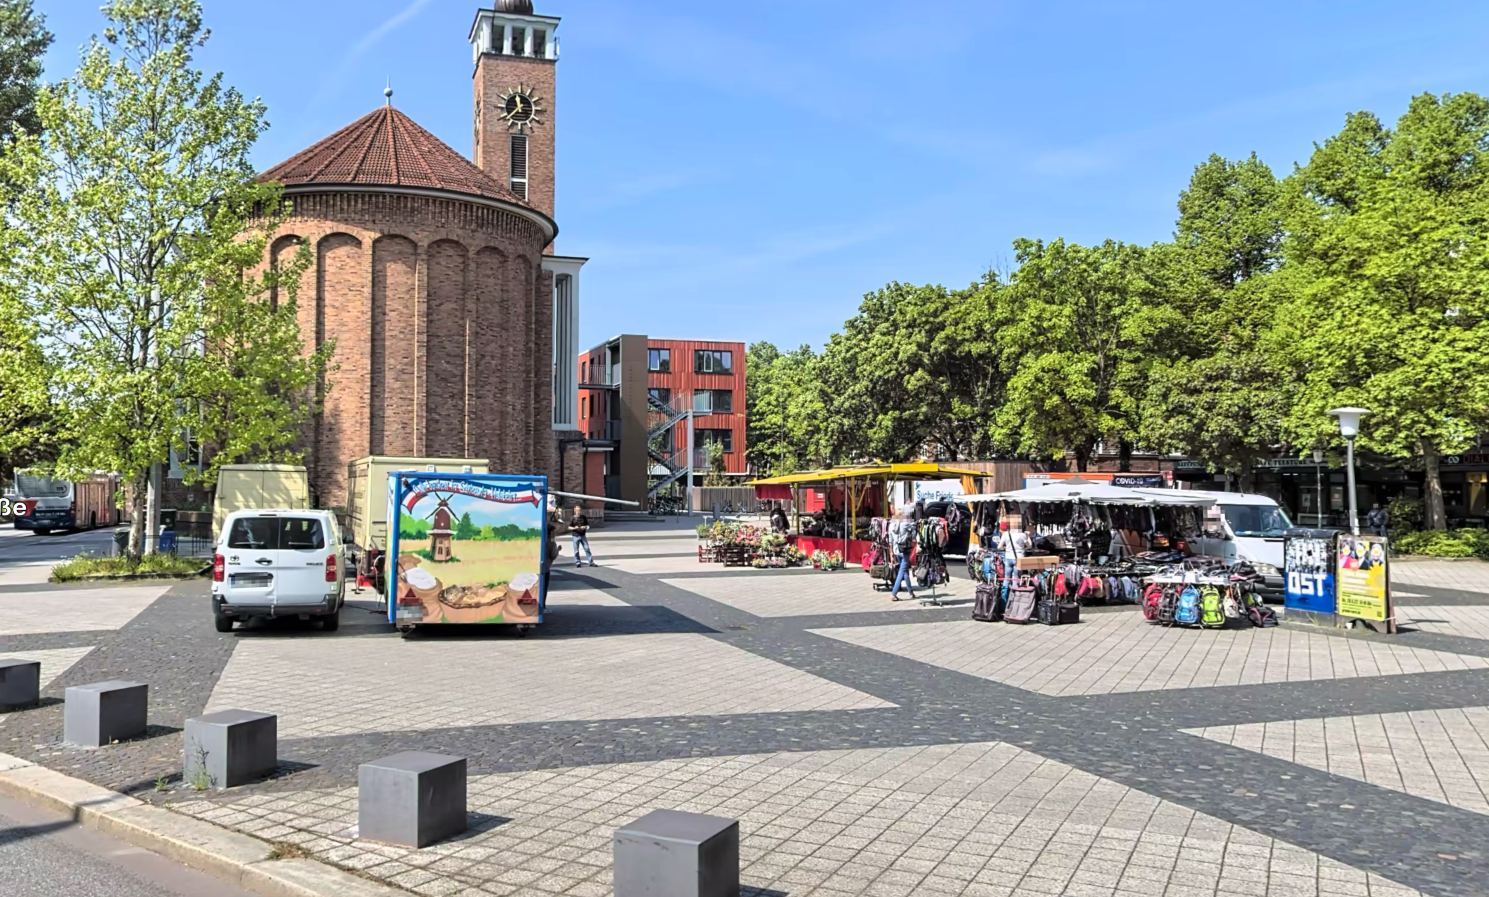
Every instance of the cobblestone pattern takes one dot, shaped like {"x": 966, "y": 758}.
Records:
{"x": 402, "y": 685}
{"x": 76, "y": 610}
{"x": 1124, "y": 652}
{"x": 1440, "y": 755}
{"x": 973, "y": 819}
{"x": 1466, "y": 621}
{"x": 847, "y": 591}
{"x": 1465, "y": 576}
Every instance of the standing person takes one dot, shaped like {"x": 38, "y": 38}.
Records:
{"x": 1378, "y": 521}
{"x": 778, "y": 521}
{"x": 1013, "y": 543}
{"x": 902, "y": 541}
{"x": 579, "y": 529}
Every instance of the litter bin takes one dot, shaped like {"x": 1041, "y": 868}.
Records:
{"x": 1310, "y": 591}
{"x": 121, "y": 540}
{"x": 167, "y": 541}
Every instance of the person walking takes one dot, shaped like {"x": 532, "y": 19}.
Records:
{"x": 579, "y": 529}
{"x": 1378, "y": 521}
{"x": 902, "y": 543}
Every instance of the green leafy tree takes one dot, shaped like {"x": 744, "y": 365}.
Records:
{"x": 1079, "y": 328}
{"x": 464, "y": 528}
{"x": 126, "y": 246}
{"x": 1222, "y": 398}
{"x": 784, "y": 408}
{"x": 1387, "y": 248}
{"x": 24, "y": 40}
{"x": 716, "y": 471}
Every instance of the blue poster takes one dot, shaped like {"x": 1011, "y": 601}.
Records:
{"x": 1310, "y": 572}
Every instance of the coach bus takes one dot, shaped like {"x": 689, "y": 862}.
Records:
{"x": 59, "y": 504}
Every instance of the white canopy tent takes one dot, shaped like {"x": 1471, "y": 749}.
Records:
{"x": 1094, "y": 493}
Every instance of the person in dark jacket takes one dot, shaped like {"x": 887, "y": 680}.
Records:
{"x": 778, "y": 521}
{"x": 579, "y": 530}
{"x": 1378, "y": 521}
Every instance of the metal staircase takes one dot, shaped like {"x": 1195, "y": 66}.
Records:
{"x": 662, "y": 421}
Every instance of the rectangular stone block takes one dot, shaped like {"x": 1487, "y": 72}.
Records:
{"x": 230, "y": 747}
{"x": 411, "y": 799}
{"x": 20, "y": 683}
{"x": 101, "y": 713}
{"x": 669, "y": 853}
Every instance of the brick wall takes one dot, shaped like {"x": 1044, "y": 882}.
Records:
{"x": 443, "y": 333}
{"x": 494, "y": 76}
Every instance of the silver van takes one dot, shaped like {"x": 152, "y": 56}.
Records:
{"x": 278, "y": 563}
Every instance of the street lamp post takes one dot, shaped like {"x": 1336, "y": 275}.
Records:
{"x": 1318, "y": 486}
{"x": 1349, "y": 428}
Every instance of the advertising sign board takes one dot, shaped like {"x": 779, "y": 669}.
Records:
{"x": 1364, "y": 579}
{"x": 1309, "y": 561}
{"x": 466, "y": 548}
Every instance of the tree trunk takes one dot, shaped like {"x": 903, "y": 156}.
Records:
{"x": 137, "y": 517}
{"x": 1436, "y": 514}
{"x": 1124, "y": 456}
{"x": 1247, "y": 479}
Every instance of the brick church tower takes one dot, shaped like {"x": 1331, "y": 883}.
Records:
{"x": 515, "y": 53}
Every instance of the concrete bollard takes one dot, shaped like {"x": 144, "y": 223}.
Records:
{"x": 20, "y": 683}
{"x": 677, "y": 854}
{"x": 411, "y": 799}
{"x": 104, "y": 712}
{"x": 229, "y": 748}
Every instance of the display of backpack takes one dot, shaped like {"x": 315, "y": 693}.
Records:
{"x": 988, "y": 608}
{"x": 1211, "y": 615}
{"x": 1152, "y": 595}
{"x": 1187, "y": 611}
{"x": 1258, "y": 613}
{"x": 1020, "y": 607}
{"x": 1231, "y": 605}
{"x": 1168, "y": 605}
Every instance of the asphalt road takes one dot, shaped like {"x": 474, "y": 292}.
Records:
{"x": 44, "y": 854}
{"x": 25, "y": 547}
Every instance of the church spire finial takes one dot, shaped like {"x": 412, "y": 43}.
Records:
{"x": 388, "y": 93}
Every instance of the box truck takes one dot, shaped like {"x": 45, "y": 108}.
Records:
{"x": 246, "y": 487}
{"x": 367, "y": 503}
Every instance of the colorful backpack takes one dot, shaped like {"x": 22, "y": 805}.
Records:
{"x": 1187, "y": 611}
{"x": 1152, "y": 595}
{"x": 1258, "y": 613}
{"x": 1211, "y": 615}
{"x": 1168, "y": 604}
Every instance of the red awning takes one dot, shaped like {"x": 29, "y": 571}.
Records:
{"x": 773, "y": 492}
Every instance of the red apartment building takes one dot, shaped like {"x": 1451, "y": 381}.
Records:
{"x": 633, "y": 394}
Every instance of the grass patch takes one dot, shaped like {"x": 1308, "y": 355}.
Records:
{"x": 284, "y": 850}
{"x": 1459, "y": 543}
{"x": 93, "y": 565}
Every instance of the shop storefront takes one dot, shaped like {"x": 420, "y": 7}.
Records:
{"x": 1314, "y": 494}
{"x": 1465, "y": 488}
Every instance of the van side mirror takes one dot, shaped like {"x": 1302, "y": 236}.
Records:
{"x": 346, "y": 539}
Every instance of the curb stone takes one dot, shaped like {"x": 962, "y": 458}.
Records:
{"x": 127, "y": 577}
{"x": 230, "y": 856}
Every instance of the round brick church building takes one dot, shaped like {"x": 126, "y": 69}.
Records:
{"x": 427, "y": 273}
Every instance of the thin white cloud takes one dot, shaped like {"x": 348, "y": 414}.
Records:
{"x": 336, "y": 80}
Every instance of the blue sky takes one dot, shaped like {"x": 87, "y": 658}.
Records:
{"x": 748, "y": 170}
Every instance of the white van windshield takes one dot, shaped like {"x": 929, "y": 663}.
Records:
{"x": 1262, "y": 521}
{"x": 276, "y": 533}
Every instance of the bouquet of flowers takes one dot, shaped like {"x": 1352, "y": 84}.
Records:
{"x": 793, "y": 556}
{"x": 772, "y": 543}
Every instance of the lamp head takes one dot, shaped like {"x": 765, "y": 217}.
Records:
{"x": 1349, "y": 420}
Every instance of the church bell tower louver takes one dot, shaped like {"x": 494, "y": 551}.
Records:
{"x": 515, "y": 53}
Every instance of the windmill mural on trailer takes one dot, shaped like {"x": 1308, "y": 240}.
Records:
{"x": 442, "y": 531}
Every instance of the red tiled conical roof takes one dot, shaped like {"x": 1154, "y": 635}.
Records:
{"x": 386, "y": 148}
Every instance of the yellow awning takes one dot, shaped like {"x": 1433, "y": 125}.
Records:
{"x": 918, "y": 470}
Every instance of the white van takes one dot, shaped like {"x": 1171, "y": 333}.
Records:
{"x": 278, "y": 563}
{"x": 1241, "y": 526}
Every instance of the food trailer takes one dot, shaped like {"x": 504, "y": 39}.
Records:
{"x": 466, "y": 548}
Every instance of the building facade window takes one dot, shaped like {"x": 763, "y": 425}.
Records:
{"x": 661, "y": 394}
{"x": 519, "y": 40}
{"x": 713, "y": 401}
{"x": 584, "y": 407}
{"x": 659, "y": 361}
{"x": 713, "y": 361}
{"x": 705, "y": 437}
{"x": 518, "y": 180}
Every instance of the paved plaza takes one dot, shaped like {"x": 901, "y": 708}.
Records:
{"x": 868, "y": 747}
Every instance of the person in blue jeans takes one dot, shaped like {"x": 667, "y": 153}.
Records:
{"x": 579, "y": 529}
{"x": 902, "y": 541}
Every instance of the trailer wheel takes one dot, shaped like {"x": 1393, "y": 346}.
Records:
{"x": 523, "y": 629}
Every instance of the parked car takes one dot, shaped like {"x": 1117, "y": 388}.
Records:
{"x": 278, "y": 563}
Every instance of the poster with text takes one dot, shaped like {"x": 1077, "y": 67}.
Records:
{"x": 1362, "y": 577}
{"x": 467, "y": 548}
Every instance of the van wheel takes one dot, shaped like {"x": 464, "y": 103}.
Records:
{"x": 223, "y": 622}
{"x": 332, "y": 622}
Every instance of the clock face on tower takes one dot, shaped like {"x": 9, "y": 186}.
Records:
{"x": 521, "y": 109}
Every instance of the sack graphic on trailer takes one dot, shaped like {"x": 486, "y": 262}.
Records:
{"x": 1211, "y": 614}
{"x": 1187, "y": 612}
{"x": 1152, "y": 595}
{"x": 988, "y": 608}
{"x": 1020, "y": 605}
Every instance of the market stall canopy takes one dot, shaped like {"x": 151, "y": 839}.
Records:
{"x": 916, "y": 471}
{"x": 1093, "y": 493}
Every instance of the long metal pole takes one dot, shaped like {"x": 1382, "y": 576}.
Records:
{"x": 688, "y": 493}
{"x": 1349, "y": 452}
